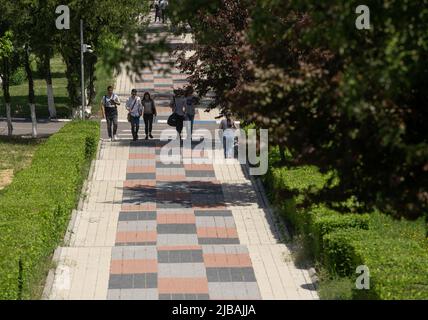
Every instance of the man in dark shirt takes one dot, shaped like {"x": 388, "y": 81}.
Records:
{"x": 109, "y": 107}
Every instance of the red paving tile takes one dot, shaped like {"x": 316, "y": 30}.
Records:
{"x": 139, "y": 183}
{"x": 134, "y": 237}
{"x": 227, "y": 260}
{"x": 148, "y": 169}
{"x": 133, "y": 266}
{"x": 170, "y": 178}
{"x": 213, "y": 232}
{"x": 176, "y": 219}
{"x": 141, "y": 156}
{"x": 198, "y": 167}
{"x": 183, "y": 285}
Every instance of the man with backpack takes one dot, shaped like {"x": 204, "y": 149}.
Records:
{"x": 109, "y": 108}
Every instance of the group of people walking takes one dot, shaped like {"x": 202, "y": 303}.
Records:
{"x": 136, "y": 108}
{"x": 182, "y": 106}
{"x": 161, "y": 10}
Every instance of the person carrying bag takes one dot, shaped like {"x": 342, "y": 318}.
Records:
{"x": 135, "y": 109}
{"x": 177, "y": 105}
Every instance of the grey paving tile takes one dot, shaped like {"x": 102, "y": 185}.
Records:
{"x": 138, "y": 216}
{"x": 176, "y": 229}
{"x": 208, "y": 241}
{"x": 140, "y": 176}
{"x": 120, "y": 281}
{"x": 198, "y": 174}
{"x": 180, "y": 256}
{"x": 213, "y": 213}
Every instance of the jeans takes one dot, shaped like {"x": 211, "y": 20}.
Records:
{"x": 112, "y": 122}
{"x": 180, "y": 123}
{"x": 148, "y": 121}
{"x": 157, "y": 14}
{"x": 164, "y": 15}
{"x": 135, "y": 126}
{"x": 191, "y": 118}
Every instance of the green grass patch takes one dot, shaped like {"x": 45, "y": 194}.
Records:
{"x": 19, "y": 94}
{"x": 15, "y": 155}
{"x": 36, "y": 207}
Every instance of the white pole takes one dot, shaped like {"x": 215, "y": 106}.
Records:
{"x": 83, "y": 70}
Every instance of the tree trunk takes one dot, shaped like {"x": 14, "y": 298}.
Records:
{"x": 282, "y": 154}
{"x": 31, "y": 96}
{"x": 6, "y": 95}
{"x": 92, "y": 61}
{"x": 49, "y": 86}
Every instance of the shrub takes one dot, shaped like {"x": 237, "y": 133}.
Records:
{"x": 18, "y": 77}
{"x": 36, "y": 207}
{"x": 322, "y": 220}
{"x": 397, "y": 264}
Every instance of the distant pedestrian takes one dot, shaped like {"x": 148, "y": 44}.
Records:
{"x": 164, "y": 10}
{"x": 109, "y": 108}
{"x": 135, "y": 109}
{"x": 156, "y": 4}
{"x": 190, "y": 109}
{"x": 178, "y": 106}
{"x": 228, "y": 126}
{"x": 149, "y": 114}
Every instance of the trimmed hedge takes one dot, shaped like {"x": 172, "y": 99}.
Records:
{"x": 398, "y": 265}
{"x": 396, "y": 252}
{"x": 36, "y": 207}
{"x": 322, "y": 221}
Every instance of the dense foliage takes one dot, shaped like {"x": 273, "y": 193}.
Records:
{"x": 348, "y": 100}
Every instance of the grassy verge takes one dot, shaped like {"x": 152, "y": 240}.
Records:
{"x": 36, "y": 207}
{"x": 15, "y": 155}
{"x": 395, "y": 251}
{"x": 19, "y": 94}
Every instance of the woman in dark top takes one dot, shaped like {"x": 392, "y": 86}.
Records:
{"x": 149, "y": 114}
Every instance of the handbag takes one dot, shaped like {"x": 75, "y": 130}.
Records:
{"x": 129, "y": 113}
{"x": 173, "y": 119}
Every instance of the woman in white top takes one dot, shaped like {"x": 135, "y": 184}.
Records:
{"x": 135, "y": 109}
{"x": 228, "y": 126}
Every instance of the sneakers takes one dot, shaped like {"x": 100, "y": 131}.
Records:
{"x": 115, "y": 138}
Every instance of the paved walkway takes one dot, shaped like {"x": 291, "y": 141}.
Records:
{"x": 150, "y": 230}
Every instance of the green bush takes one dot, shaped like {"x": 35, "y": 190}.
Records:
{"x": 322, "y": 221}
{"x": 36, "y": 207}
{"x": 398, "y": 265}
{"x": 18, "y": 77}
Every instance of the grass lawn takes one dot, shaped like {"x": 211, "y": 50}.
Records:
{"x": 19, "y": 94}
{"x": 15, "y": 155}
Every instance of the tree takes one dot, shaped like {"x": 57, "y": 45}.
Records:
{"x": 346, "y": 100}
{"x": 6, "y": 52}
{"x": 114, "y": 30}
